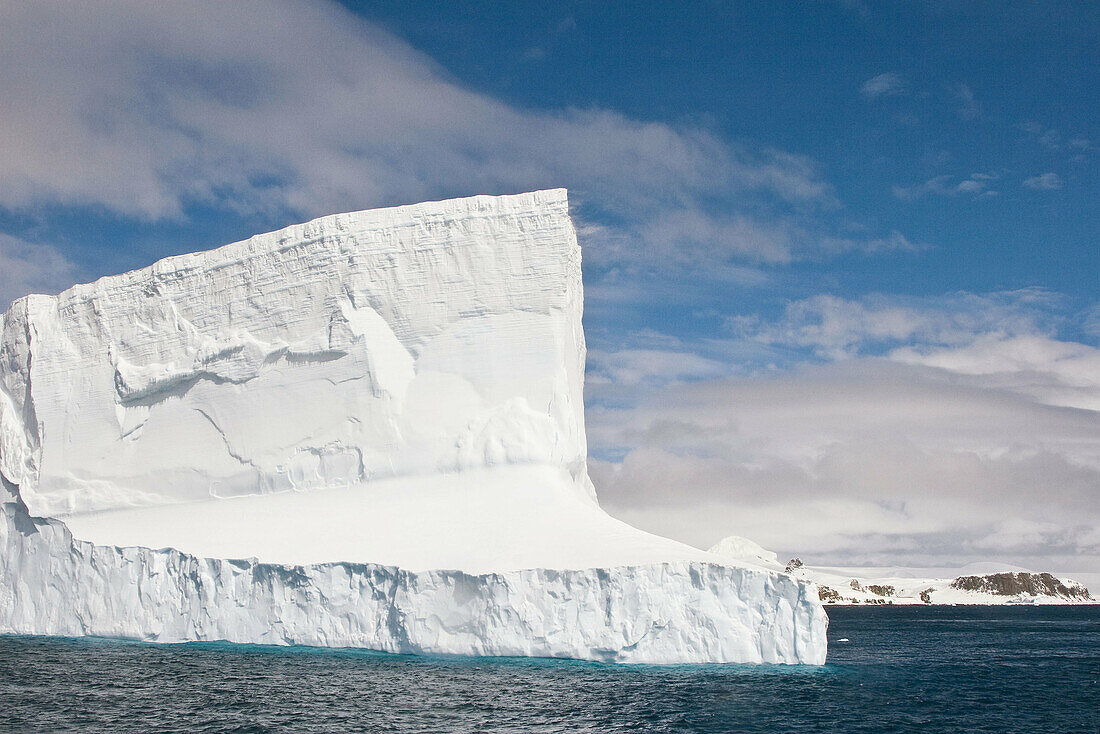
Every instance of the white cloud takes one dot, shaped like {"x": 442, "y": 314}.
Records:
{"x": 883, "y": 85}
{"x": 144, "y": 109}
{"x": 836, "y": 327}
{"x": 864, "y": 460}
{"x": 974, "y": 436}
{"x": 1051, "y": 371}
{"x": 1053, "y": 140}
{"x": 1090, "y": 321}
{"x": 977, "y": 184}
{"x": 27, "y": 267}
{"x": 970, "y": 186}
{"x": 629, "y": 367}
{"x": 1044, "y": 182}
{"x": 970, "y": 109}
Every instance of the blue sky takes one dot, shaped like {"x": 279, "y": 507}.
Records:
{"x": 891, "y": 203}
{"x": 921, "y": 119}
{"x": 1008, "y": 92}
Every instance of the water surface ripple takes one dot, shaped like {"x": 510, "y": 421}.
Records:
{"x": 902, "y": 669}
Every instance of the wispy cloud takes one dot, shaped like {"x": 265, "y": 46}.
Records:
{"x": 937, "y": 451}
{"x": 837, "y": 327}
{"x": 632, "y": 367}
{"x": 297, "y": 110}
{"x": 977, "y": 185}
{"x": 969, "y": 107}
{"x": 930, "y": 431}
{"x": 1046, "y": 369}
{"x": 27, "y": 267}
{"x": 1053, "y": 140}
{"x": 883, "y": 85}
{"x": 1090, "y": 322}
{"x": 863, "y": 460}
{"x": 1044, "y": 182}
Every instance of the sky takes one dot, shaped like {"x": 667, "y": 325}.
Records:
{"x": 841, "y": 259}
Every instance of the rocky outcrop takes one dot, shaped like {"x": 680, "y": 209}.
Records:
{"x": 909, "y": 586}
{"x": 1017, "y": 584}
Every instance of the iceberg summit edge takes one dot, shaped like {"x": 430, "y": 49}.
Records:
{"x": 362, "y": 431}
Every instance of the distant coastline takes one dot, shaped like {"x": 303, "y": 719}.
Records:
{"x": 976, "y": 585}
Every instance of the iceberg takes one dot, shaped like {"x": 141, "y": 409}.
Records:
{"x": 362, "y": 431}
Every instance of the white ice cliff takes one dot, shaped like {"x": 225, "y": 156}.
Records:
{"x": 362, "y": 431}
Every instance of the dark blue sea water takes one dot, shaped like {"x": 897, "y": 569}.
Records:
{"x": 902, "y": 669}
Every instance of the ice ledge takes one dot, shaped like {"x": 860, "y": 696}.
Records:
{"x": 674, "y": 612}
{"x": 504, "y": 518}
{"x": 429, "y": 214}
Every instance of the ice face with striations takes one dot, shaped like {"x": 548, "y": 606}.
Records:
{"x": 362, "y": 431}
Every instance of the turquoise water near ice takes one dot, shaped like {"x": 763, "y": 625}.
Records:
{"x": 927, "y": 669}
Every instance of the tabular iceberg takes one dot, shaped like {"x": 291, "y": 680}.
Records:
{"x": 367, "y": 431}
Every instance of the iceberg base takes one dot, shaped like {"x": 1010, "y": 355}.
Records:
{"x": 675, "y": 612}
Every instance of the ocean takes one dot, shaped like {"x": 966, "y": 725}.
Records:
{"x": 927, "y": 669}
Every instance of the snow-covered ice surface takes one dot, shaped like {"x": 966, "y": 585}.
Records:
{"x": 362, "y": 431}
{"x": 898, "y": 585}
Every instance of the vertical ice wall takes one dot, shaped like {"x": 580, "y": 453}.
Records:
{"x": 413, "y": 340}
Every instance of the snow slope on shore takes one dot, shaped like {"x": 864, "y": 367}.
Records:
{"x": 977, "y": 583}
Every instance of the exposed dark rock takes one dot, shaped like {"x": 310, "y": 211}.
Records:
{"x": 793, "y": 564}
{"x": 1014, "y": 584}
{"x": 926, "y": 595}
{"x": 827, "y": 595}
{"x": 855, "y": 585}
{"x": 881, "y": 590}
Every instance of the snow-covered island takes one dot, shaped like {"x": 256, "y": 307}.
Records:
{"x": 365, "y": 431}
{"x": 977, "y": 584}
